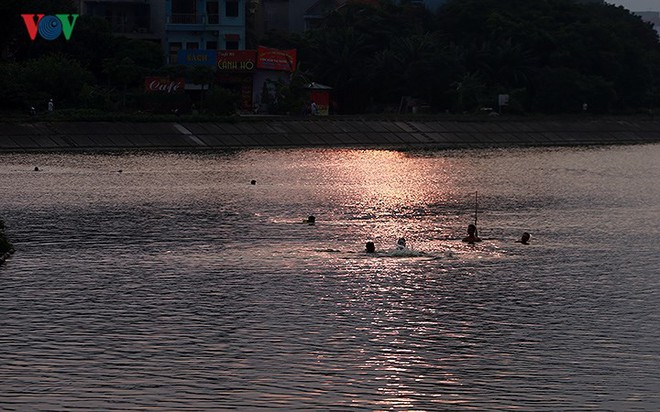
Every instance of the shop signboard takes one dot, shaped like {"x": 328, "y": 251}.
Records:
{"x": 155, "y": 84}
{"x": 236, "y": 60}
{"x": 197, "y": 57}
{"x": 275, "y": 59}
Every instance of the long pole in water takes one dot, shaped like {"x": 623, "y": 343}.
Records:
{"x": 476, "y": 208}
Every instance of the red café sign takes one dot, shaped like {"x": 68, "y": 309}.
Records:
{"x": 164, "y": 85}
{"x": 236, "y": 60}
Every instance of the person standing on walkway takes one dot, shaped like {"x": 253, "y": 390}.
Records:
{"x": 51, "y": 106}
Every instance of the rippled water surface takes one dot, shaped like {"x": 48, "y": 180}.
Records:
{"x": 175, "y": 284}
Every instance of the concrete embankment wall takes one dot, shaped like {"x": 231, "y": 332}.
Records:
{"x": 270, "y": 133}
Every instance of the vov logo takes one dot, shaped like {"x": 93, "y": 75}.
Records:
{"x": 49, "y": 27}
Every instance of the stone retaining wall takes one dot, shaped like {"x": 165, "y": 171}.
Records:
{"x": 329, "y": 132}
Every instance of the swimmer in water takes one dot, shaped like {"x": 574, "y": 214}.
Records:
{"x": 524, "y": 239}
{"x": 401, "y": 243}
{"x": 370, "y": 247}
{"x": 310, "y": 220}
{"x": 472, "y": 237}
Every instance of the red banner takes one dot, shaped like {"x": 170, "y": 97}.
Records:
{"x": 164, "y": 85}
{"x": 236, "y": 60}
{"x": 275, "y": 59}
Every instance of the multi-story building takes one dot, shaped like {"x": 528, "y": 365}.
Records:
{"x": 138, "y": 19}
{"x": 175, "y": 24}
{"x": 204, "y": 25}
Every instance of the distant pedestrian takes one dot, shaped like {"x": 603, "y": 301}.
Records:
{"x": 315, "y": 109}
{"x": 51, "y": 106}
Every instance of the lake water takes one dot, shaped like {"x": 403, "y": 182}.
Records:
{"x": 175, "y": 284}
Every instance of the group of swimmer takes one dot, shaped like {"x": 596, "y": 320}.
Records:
{"x": 471, "y": 239}
{"x": 472, "y": 236}
{"x": 400, "y": 246}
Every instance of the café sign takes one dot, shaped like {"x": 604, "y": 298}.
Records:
{"x": 164, "y": 85}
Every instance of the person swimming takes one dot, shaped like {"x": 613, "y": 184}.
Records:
{"x": 524, "y": 239}
{"x": 370, "y": 247}
{"x": 472, "y": 235}
{"x": 310, "y": 220}
{"x": 401, "y": 243}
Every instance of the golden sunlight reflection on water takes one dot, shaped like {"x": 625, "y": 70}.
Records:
{"x": 391, "y": 194}
{"x": 392, "y": 182}
{"x": 178, "y": 285}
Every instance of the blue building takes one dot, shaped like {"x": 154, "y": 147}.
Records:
{"x": 175, "y": 24}
{"x": 203, "y": 25}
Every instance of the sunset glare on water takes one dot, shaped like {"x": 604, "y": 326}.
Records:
{"x": 179, "y": 285}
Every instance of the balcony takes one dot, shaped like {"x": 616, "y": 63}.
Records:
{"x": 193, "y": 19}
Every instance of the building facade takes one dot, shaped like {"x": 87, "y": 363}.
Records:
{"x": 175, "y": 24}
{"x": 203, "y": 25}
{"x": 137, "y": 19}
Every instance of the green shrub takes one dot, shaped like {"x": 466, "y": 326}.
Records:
{"x": 220, "y": 101}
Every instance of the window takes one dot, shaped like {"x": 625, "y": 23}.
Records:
{"x": 183, "y": 6}
{"x": 174, "y": 49}
{"x": 213, "y": 12}
{"x": 231, "y": 41}
{"x": 184, "y": 12}
{"x": 231, "y": 8}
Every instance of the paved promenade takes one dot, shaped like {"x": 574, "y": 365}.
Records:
{"x": 330, "y": 132}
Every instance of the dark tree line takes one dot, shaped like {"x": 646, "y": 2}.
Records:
{"x": 93, "y": 69}
{"x": 549, "y": 56}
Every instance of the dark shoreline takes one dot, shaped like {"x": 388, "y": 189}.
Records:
{"x": 5, "y": 256}
{"x": 284, "y": 132}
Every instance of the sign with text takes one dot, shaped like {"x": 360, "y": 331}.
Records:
{"x": 275, "y": 59}
{"x": 196, "y": 57}
{"x": 236, "y": 60}
{"x": 49, "y": 27}
{"x": 164, "y": 85}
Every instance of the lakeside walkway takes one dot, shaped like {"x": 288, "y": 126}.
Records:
{"x": 328, "y": 132}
